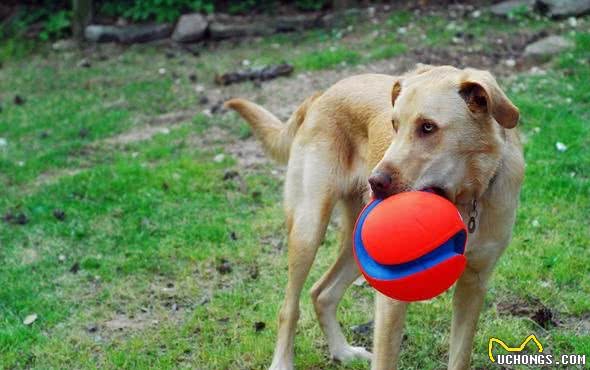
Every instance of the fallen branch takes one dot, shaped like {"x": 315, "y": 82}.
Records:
{"x": 254, "y": 74}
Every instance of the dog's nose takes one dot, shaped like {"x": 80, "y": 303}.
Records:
{"x": 380, "y": 184}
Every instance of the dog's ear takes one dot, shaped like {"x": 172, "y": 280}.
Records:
{"x": 395, "y": 91}
{"x": 482, "y": 94}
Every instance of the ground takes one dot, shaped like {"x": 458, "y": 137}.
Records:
{"x": 142, "y": 225}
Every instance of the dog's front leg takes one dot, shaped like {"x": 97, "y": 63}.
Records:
{"x": 467, "y": 302}
{"x": 389, "y": 326}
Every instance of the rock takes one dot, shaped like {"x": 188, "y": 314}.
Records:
{"x": 75, "y": 268}
{"x": 341, "y": 19}
{"x": 230, "y": 175}
{"x": 562, "y": 8}
{"x": 190, "y": 28}
{"x": 19, "y": 100}
{"x": 561, "y": 147}
{"x": 30, "y": 319}
{"x": 545, "y": 48}
{"x": 144, "y": 33}
{"x": 15, "y": 218}
{"x": 224, "y": 267}
{"x": 296, "y": 22}
{"x": 507, "y": 7}
{"x": 99, "y": 33}
{"x": 84, "y": 63}
{"x": 223, "y": 27}
{"x": 129, "y": 34}
{"x": 59, "y": 214}
{"x": 64, "y": 45}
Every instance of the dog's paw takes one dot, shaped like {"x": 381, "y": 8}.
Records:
{"x": 348, "y": 353}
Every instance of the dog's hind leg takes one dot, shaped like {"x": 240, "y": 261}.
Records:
{"x": 309, "y": 200}
{"x": 328, "y": 291}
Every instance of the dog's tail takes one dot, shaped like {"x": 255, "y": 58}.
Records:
{"x": 276, "y": 137}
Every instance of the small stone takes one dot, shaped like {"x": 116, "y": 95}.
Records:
{"x": 224, "y": 267}
{"x": 219, "y": 158}
{"x": 61, "y": 258}
{"x": 75, "y": 268}
{"x": 19, "y": 100}
{"x": 59, "y": 214}
{"x": 230, "y": 174}
{"x": 84, "y": 63}
{"x": 203, "y": 100}
{"x": 402, "y": 30}
{"x": 64, "y": 45}
{"x": 561, "y": 147}
{"x": 360, "y": 281}
{"x": 3, "y": 142}
{"x": 572, "y": 21}
{"x": 162, "y": 71}
{"x": 30, "y": 319}
{"x": 16, "y": 218}
{"x": 510, "y": 62}
{"x": 536, "y": 223}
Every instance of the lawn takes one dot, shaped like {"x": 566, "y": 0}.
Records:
{"x": 139, "y": 239}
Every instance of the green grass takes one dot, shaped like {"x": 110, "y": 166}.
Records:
{"x": 148, "y": 223}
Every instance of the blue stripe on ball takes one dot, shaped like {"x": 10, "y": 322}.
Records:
{"x": 452, "y": 247}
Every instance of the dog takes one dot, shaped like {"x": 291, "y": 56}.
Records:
{"x": 435, "y": 127}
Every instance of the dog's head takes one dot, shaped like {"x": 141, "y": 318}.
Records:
{"x": 449, "y": 126}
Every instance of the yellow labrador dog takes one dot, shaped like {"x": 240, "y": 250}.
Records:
{"x": 435, "y": 127}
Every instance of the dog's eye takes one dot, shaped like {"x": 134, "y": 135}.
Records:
{"x": 428, "y": 128}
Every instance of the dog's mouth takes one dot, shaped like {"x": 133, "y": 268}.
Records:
{"x": 437, "y": 190}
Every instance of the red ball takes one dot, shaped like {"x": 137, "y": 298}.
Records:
{"x": 410, "y": 246}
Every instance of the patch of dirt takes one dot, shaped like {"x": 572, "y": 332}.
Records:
{"x": 533, "y": 309}
{"x": 122, "y": 322}
{"x": 156, "y": 125}
{"x": 48, "y": 178}
{"x": 579, "y": 324}
{"x": 29, "y": 256}
{"x": 249, "y": 154}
